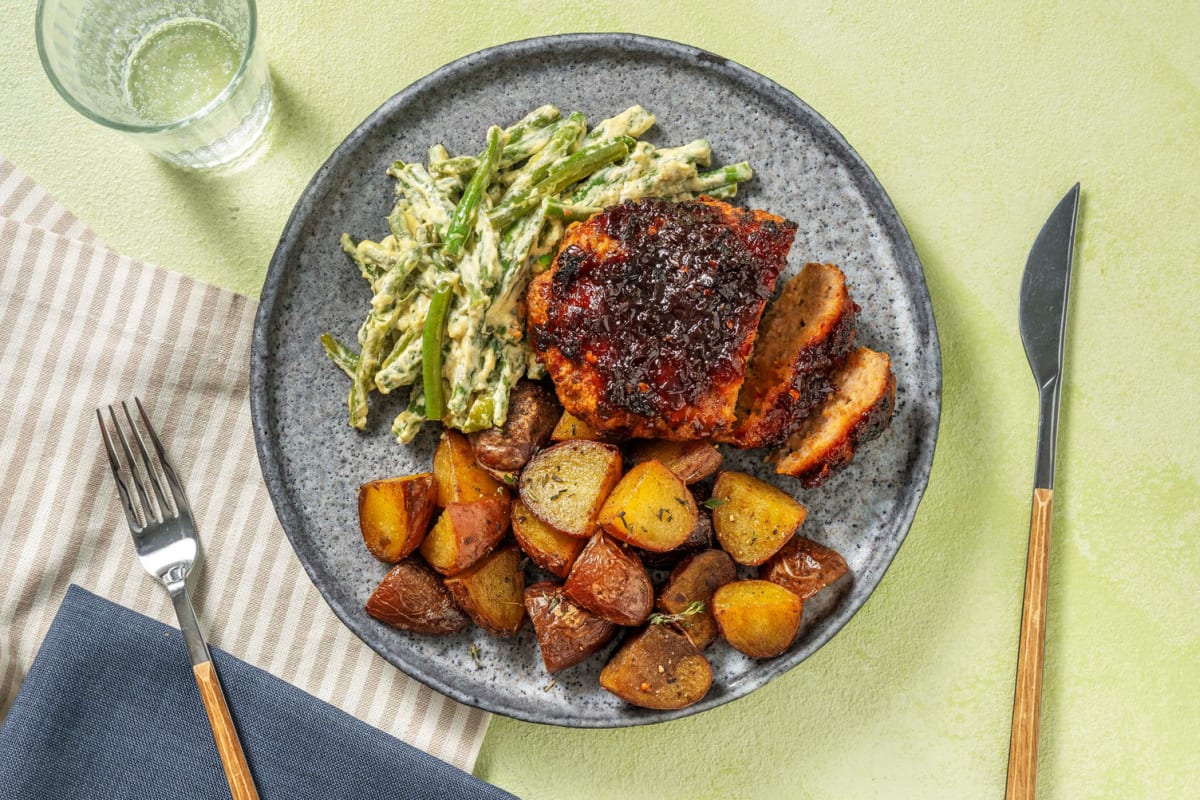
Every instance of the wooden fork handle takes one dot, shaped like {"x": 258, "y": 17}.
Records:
{"x": 237, "y": 771}
{"x": 1027, "y": 701}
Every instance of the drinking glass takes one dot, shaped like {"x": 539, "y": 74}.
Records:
{"x": 185, "y": 79}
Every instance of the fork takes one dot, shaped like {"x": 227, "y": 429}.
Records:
{"x": 166, "y": 544}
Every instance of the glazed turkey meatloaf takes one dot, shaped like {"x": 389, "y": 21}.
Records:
{"x": 858, "y": 410}
{"x": 648, "y": 315}
{"x": 805, "y": 332}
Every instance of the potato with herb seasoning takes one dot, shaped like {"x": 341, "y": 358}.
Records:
{"x": 459, "y": 477}
{"x": 759, "y": 618}
{"x": 692, "y": 460}
{"x": 465, "y": 533}
{"x": 552, "y": 550}
{"x": 411, "y": 597}
{"x": 752, "y": 518}
{"x": 533, "y": 411}
{"x": 804, "y": 567}
{"x": 394, "y": 514}
{"x": 492, "y": 592}
{"x": 572, "y": 427}
{"x": 567, "y": 633}
{"x": 610, "y": 581}
{"x": 650, "y": 508}
{"x": 565, "y": 485}
{"x": 694, "y": 581}
{"x": 658, "y": 668}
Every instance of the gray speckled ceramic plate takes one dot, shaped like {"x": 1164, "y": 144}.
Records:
{"x": 313, "y": 462}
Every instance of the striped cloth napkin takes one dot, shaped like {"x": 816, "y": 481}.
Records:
{"x": 80, "y": 327}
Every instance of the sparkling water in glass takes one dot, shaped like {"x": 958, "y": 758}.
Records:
{"x": 186, "y": 79}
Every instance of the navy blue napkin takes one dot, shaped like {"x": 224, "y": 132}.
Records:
{"x": 110, "y": 711}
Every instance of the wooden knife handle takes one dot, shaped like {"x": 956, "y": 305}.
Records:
{"x": 237, "y": 771}
{"x": 1027, "y": 702}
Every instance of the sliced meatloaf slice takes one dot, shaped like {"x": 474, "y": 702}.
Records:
{"x": 804, "y": 333}
{"x": 647, "y": 317}
{"x": 859, "y": 409}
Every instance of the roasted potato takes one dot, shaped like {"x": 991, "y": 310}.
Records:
{"x": 649, "y": 508}
{"x": 694, "y": 581}
{"x": 565, "y": 485}
{"x": 465, "y": 533}
{"x": 567, "y": 633}
{"x": 692, "y": 460}
{"x": 803, "y": 567}
{"x": 492, "y": 591}
{"x": 533, "y": 411}
{"x": 610, "y": 581}
{"x": 658, "y": 668}
{"x": 571, "y": 427}
{"x": 759, "y": 618}
{"x": 459, "y": 478}
{"x": 753, "y": 519}
{"x": 701, "y": 538}
{"x": 412, "y": 598}
{"x": 394, "y": 514}
{"x": 552, "y": 550}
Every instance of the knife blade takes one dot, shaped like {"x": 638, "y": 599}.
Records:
{"x": 1043, "y": 324}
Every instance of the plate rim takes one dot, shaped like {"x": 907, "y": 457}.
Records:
{"x": 638, "y": 44}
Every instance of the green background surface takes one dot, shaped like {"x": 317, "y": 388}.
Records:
{"x": 976, "y": 119}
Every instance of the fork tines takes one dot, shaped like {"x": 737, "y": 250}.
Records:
{"x": 146, "y": 472}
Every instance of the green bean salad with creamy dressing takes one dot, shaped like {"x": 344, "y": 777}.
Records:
{"x": 466, "y": 235}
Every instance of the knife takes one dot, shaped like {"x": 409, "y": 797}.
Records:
{"x": 1043, "y": 320}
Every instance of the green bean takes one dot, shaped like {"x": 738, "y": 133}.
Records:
{"x": 570, "y": 212}
{"x": 339, "y": 354}
{"x": 561, "y": 175}
{"x": 734, "y": 173}
{"x": 633, "y": 121}
{"x": 369, "y": 270}
{"x": 464, "y": 214}
{"x": 386, "y": 305}
{"x": 408, "y": 422}
{"x": 431, "y": 350}
{"x": 429, "y": 203}
{"x": 604, "y": 179}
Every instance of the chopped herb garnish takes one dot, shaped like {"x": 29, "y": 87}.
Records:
{"x": 714, "y": 502}
{"x": 474, "y": 651}
{"x": 625, "y": 522}
{"x": 663, "y": 619}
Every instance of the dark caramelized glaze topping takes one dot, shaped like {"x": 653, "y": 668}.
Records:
{"x": 667, "y": 309}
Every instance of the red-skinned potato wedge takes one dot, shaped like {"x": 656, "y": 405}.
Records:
{"x": 803, "y": 567}
{"x": 394, "y": 514}
{"x": 465, "y": 533}
{"x": 658, "y": 668}
{"x": 610, "y": 581}
{"x": 572, "y": 427}
{"x": 567, "y": 633}
{"x": 565, "y": 485}
{"x": 695, "y": 580}
{"x": 552, "y": 550}
{"x": 650, "y": 508}
{"x": 692, "y": 460}
{"x": 412, "y": 597}
{"x": 533, "y": 411}
{"x": 753, "y": 519}
{"x": 459, "y": 478}
{"x": 492, "y": 592}
{"x": 759, "y": 618}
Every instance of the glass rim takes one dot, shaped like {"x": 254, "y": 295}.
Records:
{"x": 204, "y": 110}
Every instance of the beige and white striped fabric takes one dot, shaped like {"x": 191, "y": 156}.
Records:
{"x": 81, "y": 327}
